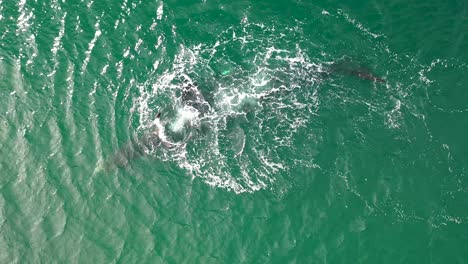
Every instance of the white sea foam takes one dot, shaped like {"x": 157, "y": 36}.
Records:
{"x": 90, "y": 47}
{"x": 26, "y": 17}
{"x": 220, "y": 154}
{"x": 358, "y": 25}
{"x": 56, "y": 46}
{"x": 185, "y": 116}
{"x": 138, "y": 44}
{"x": 160, "y": 11}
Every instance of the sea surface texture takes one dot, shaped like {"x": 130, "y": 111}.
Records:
{"x": 210, "y": 131}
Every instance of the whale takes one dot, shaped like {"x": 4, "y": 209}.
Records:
{"x": 149, "y": 141}
{"x": 347, "y": 66}
{"x": 191, "y": 97}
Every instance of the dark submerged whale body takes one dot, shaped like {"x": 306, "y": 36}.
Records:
{"x": 191, "y": 96}
{"x": 347, "y": 66}
{"x": 136, "y": 148}
{"x": 344, "y": 66}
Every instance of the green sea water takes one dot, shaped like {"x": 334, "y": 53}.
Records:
{"x": 288, "y": 161}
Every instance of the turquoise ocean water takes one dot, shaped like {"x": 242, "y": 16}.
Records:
{"x": 321, "y": 131}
